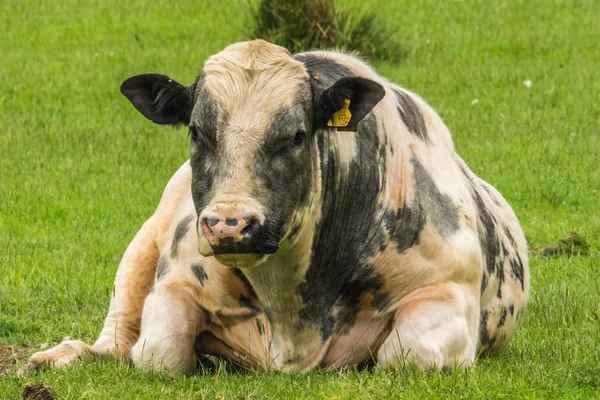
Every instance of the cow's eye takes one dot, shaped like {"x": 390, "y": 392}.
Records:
{"x": 299, "y": 138}
{"x": 201, "y": 138}
{"x": 193, "y": 133}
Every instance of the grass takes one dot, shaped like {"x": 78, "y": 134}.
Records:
{"x": 81, "y": 171}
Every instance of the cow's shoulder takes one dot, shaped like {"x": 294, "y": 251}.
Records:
{"x": 173, "y": 204}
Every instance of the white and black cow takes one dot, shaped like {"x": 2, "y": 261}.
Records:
{"x": 288, "y": 244}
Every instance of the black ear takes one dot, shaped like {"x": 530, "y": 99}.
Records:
{"x": 159, "y": 98}
{"x": 363, "y": 94}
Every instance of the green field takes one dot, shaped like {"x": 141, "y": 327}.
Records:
{"x": 81, "y": 170}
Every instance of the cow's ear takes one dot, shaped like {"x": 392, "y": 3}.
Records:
{"x": 357, "y": 95}
{"x": 159, "y": 98}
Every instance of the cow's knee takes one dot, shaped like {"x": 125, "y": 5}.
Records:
{"x": 411, "y": 347}
{"x": 171, "y": 321}
{"x": 167, "y": 354}
{"x": 435, "y": 329}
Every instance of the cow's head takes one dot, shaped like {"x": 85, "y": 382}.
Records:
{"x": 253, "y": 117}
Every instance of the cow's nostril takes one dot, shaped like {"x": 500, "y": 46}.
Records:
{"x": 251, "y": 227}
{"x": 212, "y": 221}
{"x": 205, "y": 226}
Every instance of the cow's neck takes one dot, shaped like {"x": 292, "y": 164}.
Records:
{"x": 276, "y": 280}
{"x": 276, "y": 283}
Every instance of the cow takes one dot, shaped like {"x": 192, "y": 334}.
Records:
{"x": 323, "y": 220}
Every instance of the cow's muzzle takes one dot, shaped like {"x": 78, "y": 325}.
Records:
{"x": 229, "y": 229}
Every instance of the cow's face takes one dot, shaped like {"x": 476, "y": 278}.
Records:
{"x": 253, "y": 117}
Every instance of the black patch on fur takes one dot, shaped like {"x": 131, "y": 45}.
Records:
{"x": 484, "y": 282}
{"x": 240, "y": 275}
{"x": 440, "y": 209}
{"x": 500, "y": 267}
{"x": 205, "y": 157}
{"x": 405, "y": 226}
{"x": 510, "y": 237}
{"x": 266, "y": 239}
{"x": 163, "y": 266}
{"x": 200, "y": 273}
{"x": 284, "y": 127}
{"x": 484, "y": 335}
{"x": 517, "y": 270}
{"x": 261, "y": 241}
{"x": 339, "y": 273}
{"x": 411, "y": 115}
{"x": 283, "y": 170}
{"x": 511, "y": 309}
{"x": 269, "y": 316}
{"x": 502, "y": 318}
{"x": 246, "y": 302}
{"x": 494, "y": 250}
{"x": 492, "y": 196}
{"x": 429, "y": 203}
{"x": 180, "y": 231}
{"x": 381, "y": 301}
{"x": 294, "y": 231}
{"x": 260, "y": 326}
{"x": 327, "y": 69}
{"x": 382, "y": 155}
{"x": 488, "y": 237}
{"x": 204, "y": 117}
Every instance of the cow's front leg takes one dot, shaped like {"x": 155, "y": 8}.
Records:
{"x": 134, "y": 280}
{"x": 436, "y": 327}
{"x": 171, "y": 321}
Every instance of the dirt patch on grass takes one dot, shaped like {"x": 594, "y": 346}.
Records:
{"x": 574, "y": 245}
{"x": 9, "y": 355}
{"x": 37, "y": 391}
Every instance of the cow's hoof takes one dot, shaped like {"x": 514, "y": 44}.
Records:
{"x": 28, "y": 368}
{"x": 60, "y": 356}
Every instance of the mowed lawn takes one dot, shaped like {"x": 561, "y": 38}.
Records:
{"x": 81, "y": 170}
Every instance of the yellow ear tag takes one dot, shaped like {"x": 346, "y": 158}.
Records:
{"x": 341, "y": 118}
